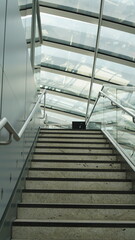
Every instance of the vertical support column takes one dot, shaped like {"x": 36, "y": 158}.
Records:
{"x": 95, "y": 56}
{"x": 39, "y": 24}
{"x": 33, "y": 32}
{"x": 2, "y": 52}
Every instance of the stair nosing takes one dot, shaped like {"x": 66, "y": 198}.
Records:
{"x": 76, "y": 161}
{"x": 77, "y": 154}
{"x": 76, "y": 179}
{"x": 69, "y": 129}
{"x": 76, "y": 206}
{"x": 63, "y": 191}
{"x": 73, "y": 223}
{"x": 77, "y": 170}
{"x": 70, "y": 142}
{"x": 72, "y": 133}
{"x": 61, "y": 147}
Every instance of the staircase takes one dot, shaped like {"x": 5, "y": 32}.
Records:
{"x": 75, "y": 190}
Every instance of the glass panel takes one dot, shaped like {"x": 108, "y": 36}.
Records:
{"x": 115, "y": 73}
{"x": 116, "y": 121}
{"x": 68, "y": 85}
{"x": 123, "y": 131}
{"x": 118, "y": 43}
{"x": 24, "y": 2}
{"x": 65, "y": 104}
{"x": 78, "y": 33}
{"x": 85, "y": 6}
{"x": 123, "y": 95}
{"x": 59, "y": 120}
{"x": 103, "y": 108}
{"x": 67, "y": 61}
{"x": 27, "y": 26}
{"x": 65, "y": 84}
{"x": 120, "y": 10}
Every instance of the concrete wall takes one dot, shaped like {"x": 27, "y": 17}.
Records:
{"x": 17, "y": 97}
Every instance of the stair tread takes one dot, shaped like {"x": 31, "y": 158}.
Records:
{"x": 77, "y": 148}
{"x": 76, "y": 161}
{"x": 88, "y": 196}
{"x": 48, "y": 140}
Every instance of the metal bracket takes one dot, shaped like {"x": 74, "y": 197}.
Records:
{"x": 133, "y": 119}
{"x": 7, "y": 142}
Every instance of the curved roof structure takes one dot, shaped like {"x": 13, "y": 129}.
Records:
{"x": 85, "y": 45}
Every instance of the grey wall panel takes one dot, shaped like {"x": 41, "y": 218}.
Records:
{"x": 13, "y": 101}
{"x": 18, "y": 97}
{"x": 2, "y": 23}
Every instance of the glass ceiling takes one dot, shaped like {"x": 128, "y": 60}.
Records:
{"x": 66, "y": 56}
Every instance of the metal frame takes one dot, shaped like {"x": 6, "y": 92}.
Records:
{"x": 73, "y": 75}
{"x": 95, "y": 56}
{"x": 4, "y": 123}
{"x": 81, "y": 17}
{"x": 35, "y": 12}
{"x": 39, "y": 23}
{"x": 101, "y": 55}
{"x": 85, "y": 18}
{"x": 33, "y": 32}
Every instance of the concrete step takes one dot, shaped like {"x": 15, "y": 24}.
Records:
{"x": 77, "y": 172}
{"x": 70, "y": 140}
{"x": 80, "y": 230}
{"x": 69, "y": 131}
{"x": 76, "y": 211}
{"x": 75, "y": 156}
{"x": 72, "y": 150}
{"x": 73, "y": 144}
{"x": 41, "y": 163}
{"x": 73, "y": 135}
{"x": 78, "y": 184}
{"x": 78, "y": 196}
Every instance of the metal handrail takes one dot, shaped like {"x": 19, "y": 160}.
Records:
{"x": 4, "y": 123}
{"x": 101, "y": 93}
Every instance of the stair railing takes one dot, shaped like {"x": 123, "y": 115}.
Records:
{"x": 102, "y": 94}
{"x": 125, "y": 146}
{"x": 4, "y": 123}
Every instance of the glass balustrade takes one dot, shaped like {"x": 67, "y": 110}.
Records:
{"x": 117, "y": 121}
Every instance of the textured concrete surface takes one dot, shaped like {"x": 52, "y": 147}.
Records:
{"x": 91, "y": 198}
{"x": 70, "y": 131}
{"x": 74, "y": 157}
{"x": 67, "y": 233}
{"x": 96, "y": 187}
{"x": 78, "y": 185}
{"x": 76, "y": 214}
{"x": 71, "y": 136}
{"x": 72, "y": 174}
{"x": 81, "y": 145}
{"x": 77, "y": 151}
{"x": 98, "y": 165}
{"x": 72, "y": 139}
